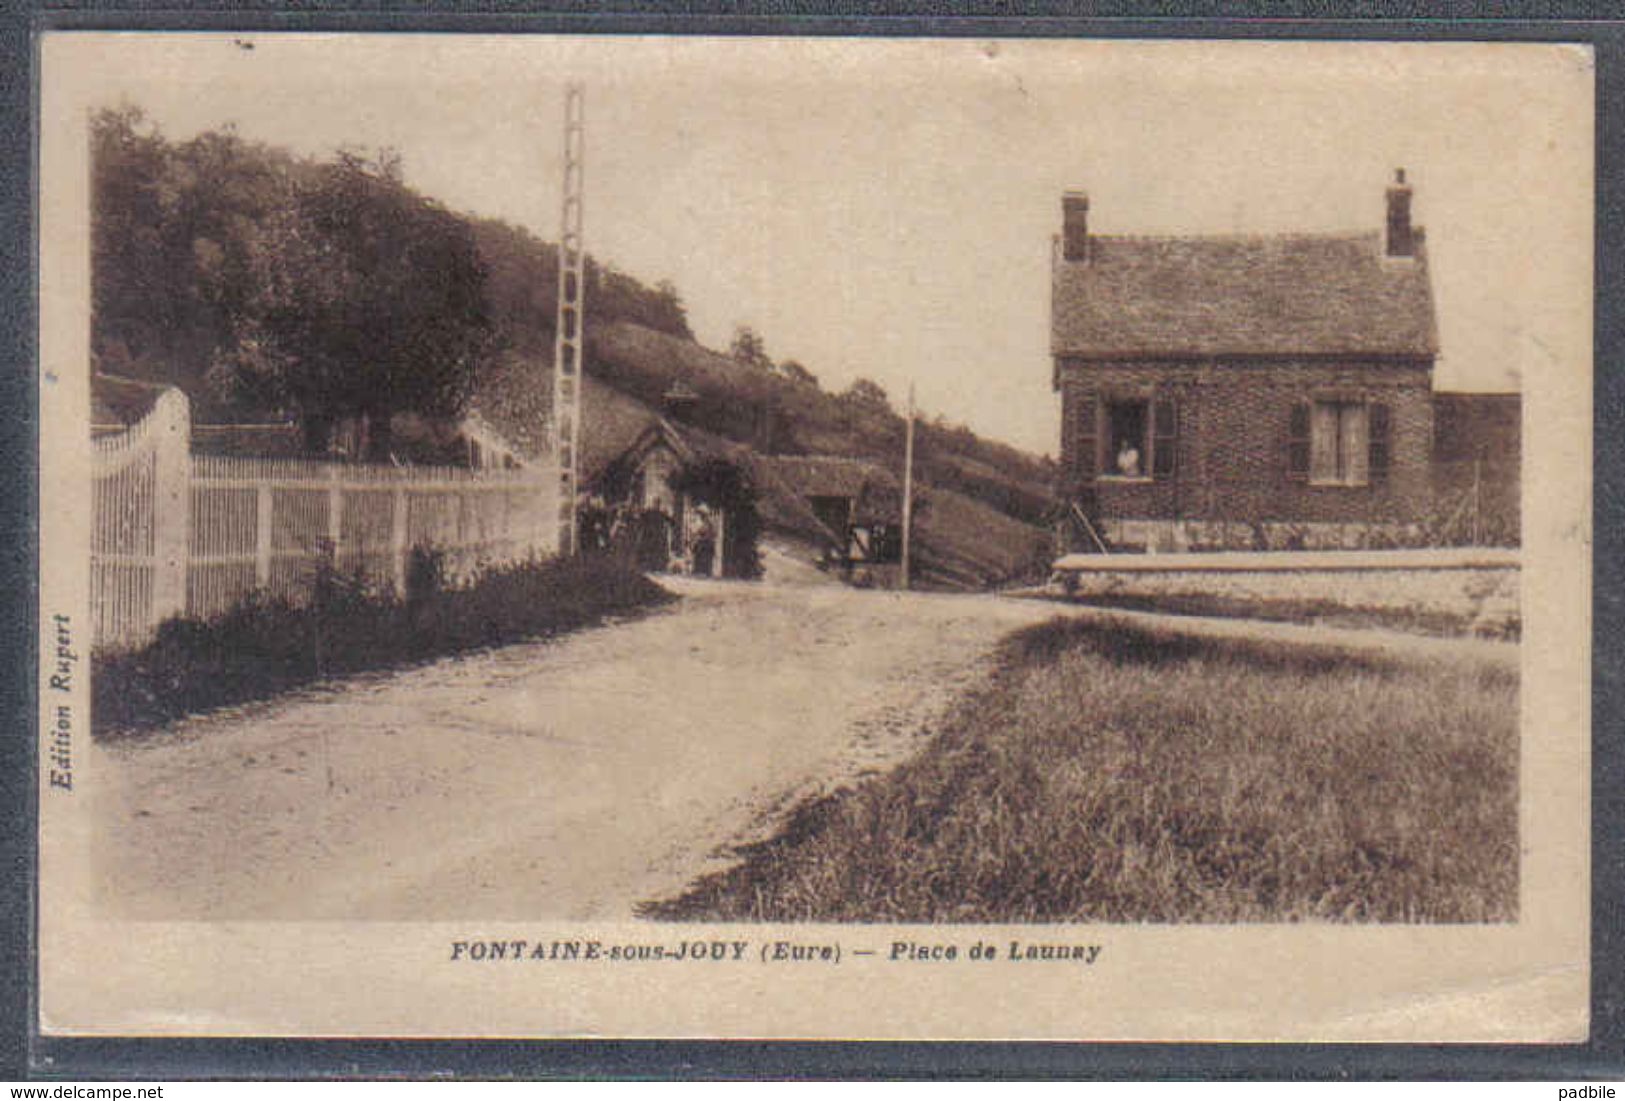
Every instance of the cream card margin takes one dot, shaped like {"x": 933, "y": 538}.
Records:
{"x": 1527, "y": 981}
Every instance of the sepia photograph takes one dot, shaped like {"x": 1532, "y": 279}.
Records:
{"x": 847, "y": 538}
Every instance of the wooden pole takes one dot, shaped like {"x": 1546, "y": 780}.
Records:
{"x": 1476, "y": 502}
{"x": 908, "y": 484}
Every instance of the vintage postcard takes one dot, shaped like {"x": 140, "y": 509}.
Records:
{"x": 552, "y": 536}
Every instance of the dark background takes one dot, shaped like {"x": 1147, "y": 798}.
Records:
{"x": 23, "y": 1055}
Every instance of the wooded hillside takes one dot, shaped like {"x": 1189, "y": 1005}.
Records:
{"x": 270, "y": 286}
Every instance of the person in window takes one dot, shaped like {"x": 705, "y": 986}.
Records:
{"x": 1128, "y": 460}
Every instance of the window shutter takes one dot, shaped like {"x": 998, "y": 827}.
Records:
{"x": 1164, "y": 438}
{"x": 1380, "y": 452}
{"x": 1297, "y": 444}
{"x": 1084, "y": 436}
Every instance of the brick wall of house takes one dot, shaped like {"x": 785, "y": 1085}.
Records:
{"x": 1233, "y": 424}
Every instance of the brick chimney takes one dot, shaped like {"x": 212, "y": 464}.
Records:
{"x": 1075, "y": 226}
{"x": 1401, "y": 238}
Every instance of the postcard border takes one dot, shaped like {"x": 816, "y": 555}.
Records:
{"x": 54, "y": 1057}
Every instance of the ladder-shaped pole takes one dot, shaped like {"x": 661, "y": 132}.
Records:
{"x": 567, "y": 342}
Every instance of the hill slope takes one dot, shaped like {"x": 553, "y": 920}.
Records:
{"x": 202, "y": 262}
{"x": 961, "y": 542}
{"x": 742, "y": 402}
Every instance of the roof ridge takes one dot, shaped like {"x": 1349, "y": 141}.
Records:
{"x": 1264, "y": 293}
{"x": 855, "y": 460}
{"x": 1246, "y": 235}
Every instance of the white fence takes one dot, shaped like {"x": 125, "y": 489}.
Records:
{"x": 177, "y": 533}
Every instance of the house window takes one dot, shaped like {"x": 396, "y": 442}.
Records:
{"x": 1136, "y": 437}
{"x": 1127, "y": 444}
{"x": 1121, "y": 437}
{"x": 1338, "y": 443}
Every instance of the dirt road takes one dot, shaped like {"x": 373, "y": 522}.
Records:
{"x": 568, "y": 779}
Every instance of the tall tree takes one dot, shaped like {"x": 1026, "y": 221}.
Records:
{"x": 129, "y": 299}
{"x": 170, "y": 233}
{"x": 867, "y": 394}
{"x": 368, "y": 301}
{"x": 750, "y": 349}
{"x": 796, "y": 371}
{"x": 668, "y": 312}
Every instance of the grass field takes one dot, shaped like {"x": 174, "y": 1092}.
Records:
{"x": 1327, "y": 613}
{"x": 1110, "y": 772}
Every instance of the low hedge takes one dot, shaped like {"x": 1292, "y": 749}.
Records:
{"x": 264, "y": 646}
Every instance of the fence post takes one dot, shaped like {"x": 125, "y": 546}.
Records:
{"x": 462, "y": 541}
{"x": 397, "y": 541}
{"x": 263, "y": 500}
{"x": 335, "y": 508}
{"x": 172, "y": 504}
{"x": 721, "y": 541}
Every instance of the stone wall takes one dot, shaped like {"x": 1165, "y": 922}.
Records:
{"x": 1164, "y": 536}
{"x": 1477, "y": 600}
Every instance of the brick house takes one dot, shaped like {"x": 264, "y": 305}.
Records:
{"x": 1244, "y": 390}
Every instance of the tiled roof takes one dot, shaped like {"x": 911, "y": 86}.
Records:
{"x": 1284, "y": 294}
{"x": 781, "y": 505}
{"x": 878, "y": 496}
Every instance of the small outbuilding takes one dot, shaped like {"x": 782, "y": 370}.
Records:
{"x": 682, "y": 498}
{"x": 857, "y": 505}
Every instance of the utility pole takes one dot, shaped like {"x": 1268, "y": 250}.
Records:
{"x": 908, "y": 483}
{"x": 1477, "y": 501}
{"x": 568, "y": 323}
